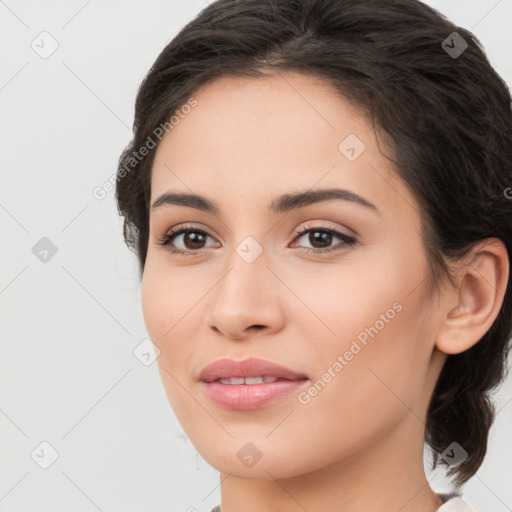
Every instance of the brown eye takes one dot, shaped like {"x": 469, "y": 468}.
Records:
{"x": 188, "y": 239}
{"x": 193, "y": 239}
{"x": 321, "y": 239}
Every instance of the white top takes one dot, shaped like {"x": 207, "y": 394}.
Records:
{"x": 455, "y": 504}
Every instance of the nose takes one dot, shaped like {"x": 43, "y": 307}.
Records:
{"x": 246, "y": 300}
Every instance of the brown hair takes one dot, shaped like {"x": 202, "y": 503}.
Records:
{"x": 440, "y": 107}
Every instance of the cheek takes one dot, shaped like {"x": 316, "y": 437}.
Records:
{"x": 165, "y": 297}
{"x": 163, "y": 304}
{"x": 358, "y": 298}
{"x": 167, "y": 313}
{"x": 171, "y": 308}
{"x": 153, "y": 304}
{"x": 362, "y": 390}
{"x": 374, "y": 318}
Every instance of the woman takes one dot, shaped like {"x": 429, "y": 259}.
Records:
{"x": 317, "y": 195}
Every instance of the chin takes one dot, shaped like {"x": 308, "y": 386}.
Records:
{"x": 259, "y": 459}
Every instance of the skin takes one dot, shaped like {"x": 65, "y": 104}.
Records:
{"x": 358, "y": 444}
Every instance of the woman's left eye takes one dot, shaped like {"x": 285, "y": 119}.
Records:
{"x": 326, "y": 236}
{"x": 317, "y": 235}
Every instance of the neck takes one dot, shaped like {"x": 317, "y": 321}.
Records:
{"x": 387, "y": 476}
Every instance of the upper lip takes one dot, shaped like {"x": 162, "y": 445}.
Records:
{"x": 252, "y": 367}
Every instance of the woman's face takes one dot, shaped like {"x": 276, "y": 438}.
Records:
{"x": 356, "y": 322}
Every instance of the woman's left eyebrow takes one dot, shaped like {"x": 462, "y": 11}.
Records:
{"x": 281, "y": 204}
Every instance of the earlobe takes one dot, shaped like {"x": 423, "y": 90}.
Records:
{"x": 481, "y": 284}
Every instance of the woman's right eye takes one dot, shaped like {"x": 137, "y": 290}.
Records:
{"x": 191, "y": 236}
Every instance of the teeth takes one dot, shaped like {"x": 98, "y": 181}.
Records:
{"x": 254, "y": 380}
{"x": 248, "y": 380}
{"x": 234, "y": 380}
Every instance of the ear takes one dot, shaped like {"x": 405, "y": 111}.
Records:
{"x": 470, "y": 308}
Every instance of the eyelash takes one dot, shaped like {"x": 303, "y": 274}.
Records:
{"x": 348, "y": 241}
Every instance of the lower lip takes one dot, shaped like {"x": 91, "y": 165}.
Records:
{"x": 250, "y": 396}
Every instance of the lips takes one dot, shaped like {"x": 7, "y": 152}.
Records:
{"x": 249, "y": 384}
{"x": 252, "y": 368}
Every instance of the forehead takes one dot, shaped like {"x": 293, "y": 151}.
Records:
{"x": 253, "y": 138}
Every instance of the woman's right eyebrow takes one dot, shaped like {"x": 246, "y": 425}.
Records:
{"x": 281, "y": 204}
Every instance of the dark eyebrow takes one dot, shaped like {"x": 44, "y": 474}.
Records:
{"x": 281, "y": 204}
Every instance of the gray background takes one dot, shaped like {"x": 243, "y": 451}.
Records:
{"x": 69, "y": 325}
